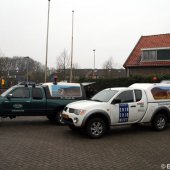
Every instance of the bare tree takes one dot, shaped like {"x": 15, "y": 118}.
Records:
{"x": 108, "y": 64}
{"x": 10, "y": 67}
{"x": 75, "y": 71}
{"x": 1, "y": 53}
{"x": 63, "y": 62}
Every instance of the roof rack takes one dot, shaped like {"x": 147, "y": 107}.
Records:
{"x": 26, "y": 84}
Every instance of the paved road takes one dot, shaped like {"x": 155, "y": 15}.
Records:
{"x": 32, "y": 143}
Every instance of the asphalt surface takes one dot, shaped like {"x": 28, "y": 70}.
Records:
{"x": 32, "y": 143}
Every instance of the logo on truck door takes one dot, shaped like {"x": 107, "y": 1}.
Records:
{"x": 123, "y": 113}
{"x": 17, "y": 106}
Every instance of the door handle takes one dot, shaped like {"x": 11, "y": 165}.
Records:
{"x": 133, "y": 106}
{"x": 27, "y": 101}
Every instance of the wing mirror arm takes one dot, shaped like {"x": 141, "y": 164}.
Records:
{"x": 9, "y": 96}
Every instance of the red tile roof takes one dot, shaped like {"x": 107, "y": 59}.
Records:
{"x": 152, "y": 41}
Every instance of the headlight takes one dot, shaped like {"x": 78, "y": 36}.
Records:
{"x": 79, "y": 112}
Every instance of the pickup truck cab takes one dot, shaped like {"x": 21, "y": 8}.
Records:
{"x": 137, "y": 104}
{"x": 47, "y": 99}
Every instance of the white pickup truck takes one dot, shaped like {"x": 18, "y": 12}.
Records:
{"x": 140, "y": 103}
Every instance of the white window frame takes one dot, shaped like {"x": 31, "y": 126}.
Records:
{"x": 153, "y": 49}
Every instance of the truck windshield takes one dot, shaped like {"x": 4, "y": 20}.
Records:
{"x": 104, "y": 95}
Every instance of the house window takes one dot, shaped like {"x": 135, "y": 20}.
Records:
{"x": 149, "y": 55}
{"x": 156, "y": 55}
{"x": 163, "y": 54}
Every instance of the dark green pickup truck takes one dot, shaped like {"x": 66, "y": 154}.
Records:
{"x": 43, "y": 100}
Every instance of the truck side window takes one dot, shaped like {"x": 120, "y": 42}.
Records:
{"x": 161, "y": 93}
{"x": 138, "y": 95}
{"x": 37, "y": 93}
{"x": 22, "y": 92}
{"x": 126, "y": 96}
{"x": 66, "y": 91}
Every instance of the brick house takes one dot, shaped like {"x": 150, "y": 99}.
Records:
{"x": 150, "y": 56}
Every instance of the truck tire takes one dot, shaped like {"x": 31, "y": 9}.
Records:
{"x": 159, "y": 122}
{"x": 59, "y": 118}
{"x": 96, "y": 127}
{"x": 56, "y": 118}
{"x": 49, "y": 117}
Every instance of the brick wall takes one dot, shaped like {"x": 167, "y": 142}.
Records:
{"x": 148, "y": 71}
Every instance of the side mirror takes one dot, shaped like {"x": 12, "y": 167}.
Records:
{"x": 9, "y": 96}
{"x": 115, "y": 101}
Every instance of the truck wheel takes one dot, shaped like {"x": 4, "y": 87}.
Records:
{"x": 96, "y": 127}
{"x": 56, "y": 118}
{"x": 159, "y": 122}
{"x": 59, "y": 118}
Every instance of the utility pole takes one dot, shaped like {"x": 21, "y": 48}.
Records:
{"x": 27, "y": 67}
{"x": 47, "y": 41}
{"x": 71, "y": 68}
{"x": 94, "y": 63}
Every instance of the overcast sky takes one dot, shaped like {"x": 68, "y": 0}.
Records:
{"x": 112, "y": 27}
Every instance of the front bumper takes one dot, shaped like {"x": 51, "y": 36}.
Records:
{"x": 71, "y": 118}
{"x": 67, "y": 120}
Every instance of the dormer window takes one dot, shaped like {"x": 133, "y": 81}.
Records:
{"x": 149, "y": 55}
{"x": 163, "y": 54}
{"x": 159, "y": 54}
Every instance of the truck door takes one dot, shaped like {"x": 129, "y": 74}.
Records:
{"x": 38, "y": 103}
{"x": 17, "y": 102}
{"x": 141, "y": 101}
{"x": 125, "y": 110}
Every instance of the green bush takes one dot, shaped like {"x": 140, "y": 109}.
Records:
{"x": 124, "y": 82}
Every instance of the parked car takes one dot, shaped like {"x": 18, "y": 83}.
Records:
{"x": 137, "y": 104}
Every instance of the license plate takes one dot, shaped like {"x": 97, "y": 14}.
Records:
{"x": 65, "y": 116}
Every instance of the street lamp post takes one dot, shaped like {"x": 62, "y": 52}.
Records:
{"x": 94, "y": 59}
{"x": 94, "y": 63}
{"x": 71, "y": 68}
{"x": 47, "y": 41}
